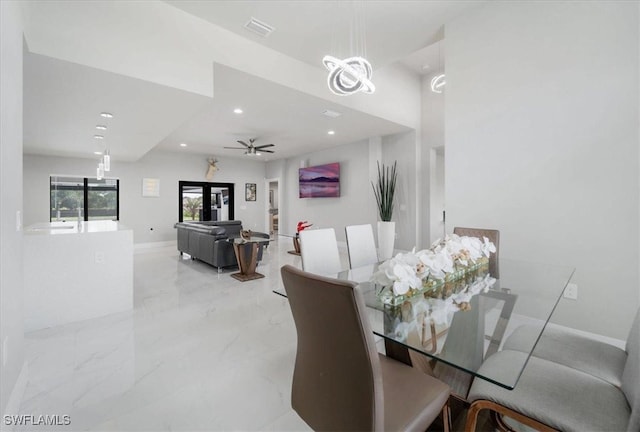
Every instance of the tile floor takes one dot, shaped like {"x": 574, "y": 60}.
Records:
{"x": 200, "y": 351}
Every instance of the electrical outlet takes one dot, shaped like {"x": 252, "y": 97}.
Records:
{"x": 571, "y": 291}
{"x": 99, "y": 257}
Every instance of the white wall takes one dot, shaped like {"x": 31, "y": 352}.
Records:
{"x": 356, "y": 204}
{"x": 143, "y": 213}
{"x": 352, "y": 207}
{"x": 11, "y": 279}
{"x": 542, "y": 143}
{"x": 433, "y": 181}
{"x": 402, "y": 147}
{"x": 437, "y": 197}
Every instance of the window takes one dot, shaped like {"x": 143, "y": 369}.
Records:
{"x": 84, "y": 198}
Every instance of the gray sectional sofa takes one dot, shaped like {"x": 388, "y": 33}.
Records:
{"x": 208, "y": 241}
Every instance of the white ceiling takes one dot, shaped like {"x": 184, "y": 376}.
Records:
{"x": 63, "y": 102}
{"x": 308, "y": 30}
{"x": 291, "y": 120}
{"x": 63, "y": 99}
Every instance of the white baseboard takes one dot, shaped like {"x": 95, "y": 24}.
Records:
{"x": 13, "y": 405}
{"x": 151, "y": 245}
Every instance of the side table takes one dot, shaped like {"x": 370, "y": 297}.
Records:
{"x": 246, "y": 251}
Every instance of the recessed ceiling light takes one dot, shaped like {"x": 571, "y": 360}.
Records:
{"x": 97, "y": 152}
{"x": 238, "y": 111}
{"x": 98, "y": 136}
{"x": 101, "y": 127}
{"x": 183, "y": 144}
{"x": 106, "y": 115}
{"x": 331, "y": 132}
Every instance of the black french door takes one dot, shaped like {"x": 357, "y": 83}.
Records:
{"x": 203, "y": 201}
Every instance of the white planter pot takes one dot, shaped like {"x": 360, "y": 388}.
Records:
{"x": 386, "y": 239}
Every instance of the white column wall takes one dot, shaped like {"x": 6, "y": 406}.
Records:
{"x": 542, "y": 143}
{"x": 11, "y": 261}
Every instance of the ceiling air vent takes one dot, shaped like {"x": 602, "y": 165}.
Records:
{"x": 258, "y": 27}
{"x": 332, "y": 114}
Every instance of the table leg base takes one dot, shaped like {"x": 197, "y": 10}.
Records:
{"x": 247, "y": 277}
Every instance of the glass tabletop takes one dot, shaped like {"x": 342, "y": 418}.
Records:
{"x": 240, "y": 240}
{"x": 463, "y": 322}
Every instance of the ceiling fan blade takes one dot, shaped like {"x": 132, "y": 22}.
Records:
{"x": 267, "y": 151}
{"x": 265, "y": 146}
{"x": 235, "y": 148}
{"x": 243, "y": 143}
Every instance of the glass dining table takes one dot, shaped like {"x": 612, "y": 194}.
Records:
{"x": 457, "y": 325}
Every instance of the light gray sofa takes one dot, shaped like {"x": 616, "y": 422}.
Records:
{"x": 208, "y": 241}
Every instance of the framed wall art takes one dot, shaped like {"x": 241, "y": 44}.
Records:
{"x": 249, "y": 191}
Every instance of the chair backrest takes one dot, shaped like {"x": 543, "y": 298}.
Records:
{"x": 493, "y": 236}
{"x": 337, "y": 381}
{"x": 319, "y": 251}
{"x": 361, "y": 245}
{"x": 631, "y": 375}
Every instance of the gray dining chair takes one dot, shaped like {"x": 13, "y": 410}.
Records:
{"x": 579, "y": 352}
{"x": 340, "y": 382}
{"x": 493, "y": 236}
{"x": 566, "y": 394}
{"x": 361, "y": 245}
{"x": 319, "y": 251}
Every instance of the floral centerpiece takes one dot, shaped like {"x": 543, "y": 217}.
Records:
{"x": 448, "y": 260}
{"x": 302, "y": 225}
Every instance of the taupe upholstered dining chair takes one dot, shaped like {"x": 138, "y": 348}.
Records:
{"x": 493, "y": 236}
{"x": 568, "y": 394}
{"x": 361, "y": 245}
{"x": 340, "y": 382}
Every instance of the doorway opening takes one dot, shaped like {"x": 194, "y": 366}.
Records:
{"x": 202, "y": 201}
{"x": 437, "y": 195}
{"x": 273, "y": 205}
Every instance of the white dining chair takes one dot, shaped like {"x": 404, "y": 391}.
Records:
{"x": 361, "y": 245}
{"x": 319, "y": 251}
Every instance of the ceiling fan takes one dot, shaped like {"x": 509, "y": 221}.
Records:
{"x": 250, "y": 149}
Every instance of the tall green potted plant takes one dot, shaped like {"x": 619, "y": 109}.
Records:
{"x": 385, "y": 191}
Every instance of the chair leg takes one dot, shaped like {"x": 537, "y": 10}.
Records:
{"x": 446, "y": 417}
{"x": 479, "y": 405}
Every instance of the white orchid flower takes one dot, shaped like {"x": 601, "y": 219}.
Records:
{"x": 405, "y": 278}
{"x": 401, "y": 331}
{"x": 488, "y": 247}
{"x": 462, "y": 297}
{"x": 473, "y": 245}
{"x": 442, "y": 311}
